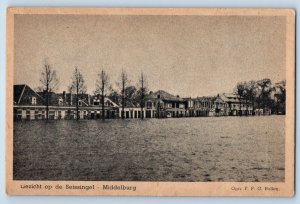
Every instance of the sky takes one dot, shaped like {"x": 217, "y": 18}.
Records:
{"x": 183, "y": 55}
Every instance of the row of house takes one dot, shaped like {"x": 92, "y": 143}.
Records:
{"x": 30, "y": 105}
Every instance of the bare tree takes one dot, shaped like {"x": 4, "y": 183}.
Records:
{"x": 102, "y": 88}
{"x": 49, "y": 83}
{"x": 123, "y": 84}
{"x": 143, "y": 91}
{"x": 78, "y": 86}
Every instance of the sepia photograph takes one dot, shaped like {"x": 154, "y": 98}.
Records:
{"x": 161, "y": 96}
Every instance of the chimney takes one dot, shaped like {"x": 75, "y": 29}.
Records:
{"x": 89, "y": 100}
{"x": 64, "y": 97}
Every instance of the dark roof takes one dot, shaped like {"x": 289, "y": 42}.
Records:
{"x": 106, "y": 100}
{"x": 163, "y": 95}
{"x": 23, "y": 95}
{"x": 18, "y": 90}
{"x": 206, "y": 98}
{"x": 230, "y": 97}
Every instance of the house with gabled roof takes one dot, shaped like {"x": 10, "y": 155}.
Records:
{"x": 27, "y": 103}
{"x": 206, "y": 106}
{"x": 162, "y": 104}
{"x": 24, "y": 95}
{"x": 236, "y": 104}
{"x": 31, "y": 105}
{"x": 223, "y": 104}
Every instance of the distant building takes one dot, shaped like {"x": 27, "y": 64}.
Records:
{"x": 131, "y": 111}
{"x": 220, "y": 105}
{"x": 28, "y": 104}
{"x": 31, "y": 105}
{"x": 236, "y": 105}
{"x": 206, "y": 106}
{"x": 161, "y": 104}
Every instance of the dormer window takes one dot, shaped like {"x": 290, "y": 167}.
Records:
{"x": 60, "y": 101}
{"x": 96, "y": 102}
{"x": 33, "y": 100}
{"x": 149, "y": 105}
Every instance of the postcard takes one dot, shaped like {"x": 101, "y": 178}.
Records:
{"x": 150, "y": 101}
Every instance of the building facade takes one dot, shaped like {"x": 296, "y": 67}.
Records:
{"x": 30, "y": 105}
{"x": 161, "y": 104}
{"x": 220, "y": 105}
{"x": 236, "y": 105}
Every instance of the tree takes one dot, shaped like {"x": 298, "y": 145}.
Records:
{"x": 131, "y": 95}
{"x": 49, "y": 83}
{"x": 241, "y": 91}
{"x": 39, "y": 89}
{"x": 78, "y": 86}
{"x": 264, "y": 93}
{"x": 280, "y": 96}
{"x": 123, "y": 84}
{"x": 115, "y": 96}
{"x": 102, "y": 87}
{"x": 142, "y": 93}
{"x": 251, "y": 93}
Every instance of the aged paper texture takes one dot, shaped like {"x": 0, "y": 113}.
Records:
{"x": 150, "y": 102}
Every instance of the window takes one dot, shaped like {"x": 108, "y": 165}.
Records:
{"x": 60, "y": 101}
{"x": 79, "y": 103}
{"x": 33, "y": 100}
{"x": 149, "y": 105}
{"x": 96, "y": 102}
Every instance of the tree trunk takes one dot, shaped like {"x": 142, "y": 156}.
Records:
{"x": 47, "y": 100}
{"x": 240, "y": 107}
{"x": 77, "y": 107}
{"x": 253, "y": 110}
{"x": 142, "y": 103}
{"x": 47, "y": 105}
{"x": 142, "y": 113}
{"x": 102, "y": 103}
{"x": 247, "y": 107}
{"x": 123, "y": 98}
{"x": 77, "y": 103}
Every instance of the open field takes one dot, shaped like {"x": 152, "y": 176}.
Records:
{"x": 176, "y": 149}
